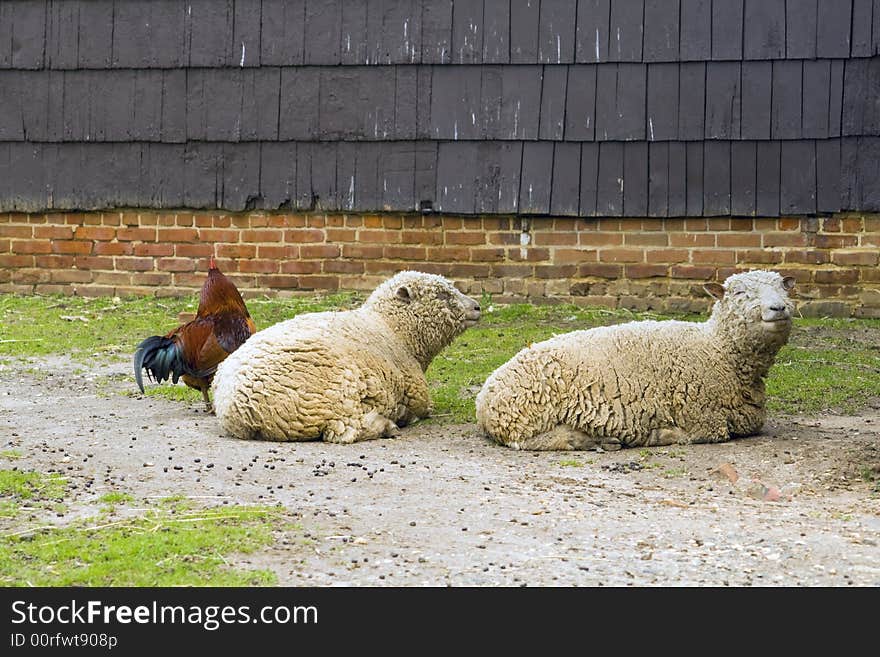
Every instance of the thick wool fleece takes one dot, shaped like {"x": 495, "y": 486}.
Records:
{"x": 343, "y": 376}
{"x": 645, "y": 383}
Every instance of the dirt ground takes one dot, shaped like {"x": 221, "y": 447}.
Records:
{"x": 444, "y": 506}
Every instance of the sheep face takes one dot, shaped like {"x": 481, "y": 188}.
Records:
{"x": 757, "y": 301}
{"x": 427, "y": 310}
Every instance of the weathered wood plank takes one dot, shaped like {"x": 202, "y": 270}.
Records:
{"x": 580, "y": 111}
{"x": 246, "y": 33}
{"x": 283, "y": 32}
{"x": 694, "y": 178}
{"x": 828, "y": 175}
{"x": 661, "y": 31}
{"x": 800, "y": 29}
{"x": 817, "y": 87}
{"x": 626, "y": 28}
{"x": 797, "y": 186}
{"x": 299, "y": 103}
{"x": 757, "y": 85}
{"x": 592, "y": 38}
{"x": 455, "y": 102}
{"x": 241, "y": 176}
{"x": 521, "y": 101}
{"x": 833, "y": 24}
{"x": 437, "y": 32}
{"x": 716, "y": 178}
{"x": 764, "y": 32}
{"x": 259, "y": 108}
{"x": 768, "y": 178}
{"x": 323, "y": 24}
{"x": 524, "y": 22}
{"x": 723, "y": 100}
{"x": 663, "y": 102}
{"x": 496, "y": 32}
{"x": 635, "y": 176}
{"x": 536, "y": 184}
{"x": 678, "y": 179}
{"x": 696, "y": 30}
{"x": 557, "y": 26}
{"x": 209, "y": 33}
{"x": 398, "y": 175}
{"x": 278, "y": 174}
{"x": 727, "y": 30}
{"x": 743, "y": 177}
{"x": 862, "y": 15}
{"x": 610, "y": 183}
{"x": 658, "y": 179}
{"x": 467, "y": 32}
{"x": 787, "y": 99}
{"x": 589, "y": 192}
{"x": 456, "y": 175}
{"x": 552, "y": 112}
{"x": 691, "y": 100}
{"x": 425, "y": 182}
{"x": 566, "y": 179}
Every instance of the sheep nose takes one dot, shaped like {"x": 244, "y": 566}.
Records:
{"x": 779, "y": 307}
{"x": 477, "y": 307}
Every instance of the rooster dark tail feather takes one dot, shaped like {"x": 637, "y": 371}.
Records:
{"x": 162, "y": 359}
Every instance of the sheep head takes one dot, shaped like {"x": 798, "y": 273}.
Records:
{"x": 425, "y": 310}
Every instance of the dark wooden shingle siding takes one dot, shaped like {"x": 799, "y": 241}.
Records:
{"x": 589, "y": 107}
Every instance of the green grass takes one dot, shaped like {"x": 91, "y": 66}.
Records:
{"x": 31, "y": 485}
{"x": 828, "y": 363}
{"x": 36, "y": 325}
{"x": 161, "y": 548}
{"x": 571, "y": 463}
{"x": 11, "y": 454}
{"x": 115, "y": 498}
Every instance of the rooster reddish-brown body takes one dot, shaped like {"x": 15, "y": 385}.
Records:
{"x": 193, "y": 351}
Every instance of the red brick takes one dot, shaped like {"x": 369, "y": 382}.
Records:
{"x": 496, "y": 223}
{"x": 392, "y": 222}
{"x": 872, "y": 224}
{"x": 505, "y": 239}
{"x": 784, "y": 239}
{"x": 361, "y": 251}
{"x": 221, "y": 221}
{"x": 851, "y": 225}
{"x": 320, "y": 251}
{"x": 54, "y": 261}
{"x": 630, "y": 225}
{"x": 258, "y": 221}
{"x": 300, "y": 235}
{"x": 16, "y": 261}
{"x": 301, "y": 267}
{"x": 421, "y": 237}
{"x": 694, "y": 224}
{"x": 543, "y": 238}
{"x": 600, "y": 239}
{"x": 800, "y": 275}
{"x": 31, "y": 246}
{"x": 151, "y": 278}
{"x": 343, "y": 267}
{"x": 30, "y": 276}
{"x": 868, "y": 258}
{"x": 166, "y": 219}
{"x": 789, "y": 223}
{"x": 532, "y": 254}
{"x": 741, "y": 223}
{"x": 621, "y": 255}
{"x": 384, "y": 267}
{"x": 341, "y": 235}
{"x": 93, "y": 262}
{"x": 79, "y": 248}
{"x": 23, "y": 232}
{"x": 153, "y": 249}
{"x": 830, "y": 225}
{"x": 469, "y": 238}
{"x": 52, "y": 218}
{"x": 71, "y": 276}
{"x": 280, "y": 281}
{"x": 134, "y": 264}
{"x": 113, "y": 248}
{"x": 763, "y": 224}
{"x": 277, "y": 252}
{"x": 258, "y": 266}
{"x": 807, "y": 256}
{"x": 612, "y": 225}
{"x": 472, "y": 223}
{"x": 405, "y": 252}
{"x": 449, "y": 253}
{"x": 666, "y": 255}
{"x": 738, "y": 239}
{"x": 203, "y": 220}
{"x": 111, "y": 278}
{"x": 718, "y": 223}
{"x": 471, "y": 270}
{"x": 566, "y": 256}
{"x": 645, "y": 271}
{"x": 512, "y": 271}
{"x": 689, "y": 271}
{"x": 194, "y": 250}
{"x": 763, "y": 256}
{"x": 673, "y": 225}
{"x": 487, "y": 255}
{"x": 412, "y": 221}
{"x": 176, "y": 264}
{"x": 691, "y": 239}
{"x": 834, "y": 241}
{"x": 600, "y": 270}
{"x": 555, "y": 271}
{"x": 713, "y": 256}
{"x": 319, "y": 282}
{"x": 5, "y": 246}
{"x": 236, "y": 250}
{"x": 838, "y": 276}
{"x": 177, "y": 235}
{"x": 218, "y": 235}
{"x": 54, "y": 232}
{"x": 130, "y": 219}
{"x": 372, "y": 221}
{"x": 132, "y": 234}
{"x": 273, "y": 236}
{"x": 653, "y": 225}
{"x": 448, "y": 223}
{"x": 334, "y": 220}
{"x": 353, "y": 221}
{"x": 645, "y": 239}
{"x": 45, "y": 288}
{"x": 95, "y": 232}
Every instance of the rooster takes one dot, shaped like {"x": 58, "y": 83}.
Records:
{"x": 194, "y": 350}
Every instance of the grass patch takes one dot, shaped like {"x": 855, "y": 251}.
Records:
{"x": 571, "y": 463}
{"x": 162, "y": 548}
{"x": 115, "y": 498}
{"x": 11, "y": 454}
{"x": 828, "y": 363}
{"x": 31, "y": 485}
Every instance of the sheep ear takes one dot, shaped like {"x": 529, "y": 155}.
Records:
{"x": 788, "y": 283}
{"x": 715, "y": 289}
{"x": 403, "y": 294}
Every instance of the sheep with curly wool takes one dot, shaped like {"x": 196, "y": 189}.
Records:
{"x": 343, "y": 376}
{"x": 648, "y": 382}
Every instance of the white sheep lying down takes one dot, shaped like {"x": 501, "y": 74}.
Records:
{"x": 343, "y": 376}
{"x": 648, "y": 382}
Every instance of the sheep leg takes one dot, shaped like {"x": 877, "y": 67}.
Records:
{"x": 560, "y": 438}
{"x": 373, "y": 425}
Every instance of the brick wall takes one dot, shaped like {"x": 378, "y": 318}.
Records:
{"x": 631, "y": 263}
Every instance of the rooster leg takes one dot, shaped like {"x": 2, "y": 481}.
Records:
{"x": 208, "y": 406}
